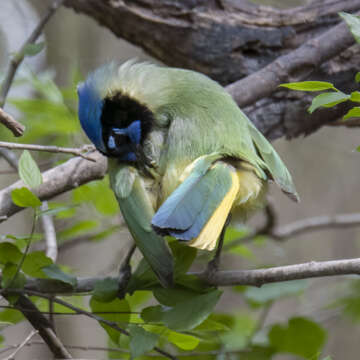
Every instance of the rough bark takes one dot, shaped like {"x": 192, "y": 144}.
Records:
{"x": 230, "y": 40}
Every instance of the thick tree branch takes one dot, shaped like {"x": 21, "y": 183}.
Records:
{"x": 226, "y": 41}
{"x": 294, "y": 66}
{"x": 42, "y": 325}
{"x": 231, "y": 40}
{"x": 71, "y": 174}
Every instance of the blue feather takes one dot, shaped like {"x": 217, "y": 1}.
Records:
{"x": 129, "y": 157}
{"x": 134, "y": 131}
{"x": 90, "y": 109}
{"x": 187, "y": 210}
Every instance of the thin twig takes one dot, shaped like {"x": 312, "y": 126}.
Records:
{"x": 48, "y": 226}
{"x": 111, "y": 324}
{"x": 19, "y": 56}
{"x": 108, "y": 349}
{"x": 296, "y": 228}
{"x": 51, "y": 148}
{"x": 125, "y": 271}
{"x": 27, "y": 248}
{"x": 20, "y": 346}
{"x": 314, "y": 224}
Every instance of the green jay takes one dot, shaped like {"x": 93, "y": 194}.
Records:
{"x": 182, "y": 155}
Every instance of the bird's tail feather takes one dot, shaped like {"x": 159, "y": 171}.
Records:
{"x": 197, "y": 210}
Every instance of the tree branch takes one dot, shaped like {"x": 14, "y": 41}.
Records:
{"x": 255, "y": 44}
{"x": 91, "y": 315}
{"x": 256, "y": 277}
{"x": 296, "y": 228}
{"x": 71, "y": 174}
{"x": 260, "y": 277}
{"x": 294, "y": 66}
{"x": 314, "y": 224}
{"x": 50, "y": 148}
{"x": 40, "y": 323}
{"x": 7, "y": 120}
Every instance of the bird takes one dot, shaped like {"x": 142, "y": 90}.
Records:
{"x": 183, "y": 157}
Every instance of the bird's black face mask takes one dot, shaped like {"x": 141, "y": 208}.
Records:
{"x": 125, "y": 123}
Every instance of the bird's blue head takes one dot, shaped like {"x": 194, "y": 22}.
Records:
{"x": 116, "y": 124}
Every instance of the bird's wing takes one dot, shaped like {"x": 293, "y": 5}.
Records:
{"x": 201, "y": 202}
{"x": 274, "y": 164}
{"x": 137, "y": 211}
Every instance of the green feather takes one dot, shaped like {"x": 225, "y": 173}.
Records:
{"x": 273, "y": 163}
{"x": 137, "y": 211}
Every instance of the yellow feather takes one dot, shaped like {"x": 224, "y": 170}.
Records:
{"x": 244, "y": 194}
{"x": 211, "y": 231}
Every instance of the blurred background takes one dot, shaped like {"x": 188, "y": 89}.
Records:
{"x": 324, "y": 165}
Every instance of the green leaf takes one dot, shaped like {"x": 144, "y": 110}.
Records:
{"x": 33, "y": 49}
{"x": 243, "y": 251}
{"x": 236, "y": 233}
{"x": 242, "y": 329}
{"x": 141, "y": 341}
{"x": 185, "y": 315}
{"x": 353, "y": 22}
{"x": 34, "y": 263}
{"x": 309, "y": 86}
{"x": 212, "y": 325}
{"x": 8, "y": 273}
{"x": 25, "y": 198}
{"x": 192, "y": 282}
{"x": 106, "y": 290}
{"x": 328, "y": 99}
{"x": 355, "y": 96}
{"x": 171, "y": 297}
{"x": 56, "y": 210}
{"x": 183, "y": 341}
{"x": 301, "y": 337}
{"x": 143, "y": 278}
{"x": 271, "y": 292}
{"x": 357, "y": 77}
{"x": 29, "y": 172}
{"x": 116, "y": 311}
{"x": 79, "y": 228}
{"x": 354, "y": 112}
{"x": 54, "y": 272}
{"x": 99, "y": 194}
{"x": 9, "y": 253}
{"x": 11, "y": 316}
{"x": 45, "y": 85}
{"x": 184, "y": 256}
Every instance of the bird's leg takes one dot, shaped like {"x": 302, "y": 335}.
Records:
{"x": 125, "y": 272}
{"x": 214, "y": 264}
